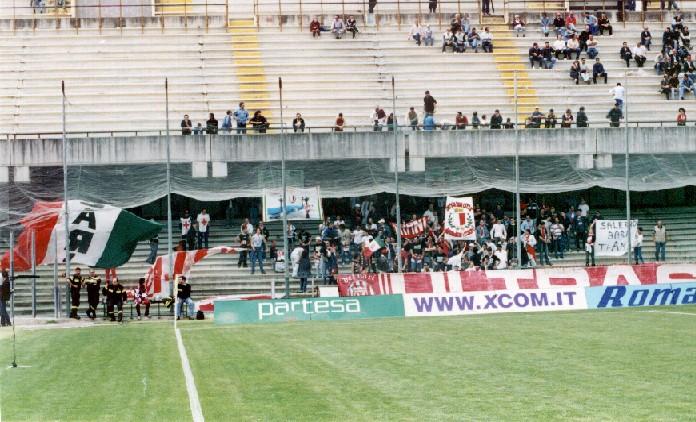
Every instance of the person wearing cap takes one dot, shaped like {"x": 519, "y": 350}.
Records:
{"x": 141, "y": 298}
{"x": 93, "y": 285}
{"x": 115, "y": 296}
{"x": 183, "y": 296}
{"x": 75, "y": 284}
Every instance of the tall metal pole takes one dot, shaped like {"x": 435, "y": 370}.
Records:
{"x": 170, "y": 246}
{"x": 518, "y": 212}
{"x": 56, "y": 286}
{"x": 12, "y": 300}
{"x": 284, "y": 213}
{"x": 67, "y": 209}
{"x": 33, "y": 273}
{"x": 628, "y": 180}
{"x": 396, "y": 179}
{"x": 514, "y": 76}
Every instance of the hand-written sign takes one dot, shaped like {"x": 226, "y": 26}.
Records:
{"x": 612, "y": 237}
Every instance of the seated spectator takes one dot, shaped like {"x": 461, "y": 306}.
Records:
{"x": 646, "y": 38}
{"x": 487, "y": 40}
{"x": 338, "y": 28}
{"x": 460, "y": 121}
{"x": 661, "y": 61}
{"x": 535, "y": 56}
{"x": 668, "y": 39}
{"x": 685, "y": 85}
{"x": 666, "y": 87}
{"x": 508, "y": 124}
{"x": 298, "y": 124}
{"x": 677, "y": 23}
{"x": 496, "y": 120}
{"x": 686, "y": 37}
{"x": 186, "y": 125}
{"x": 573, "y": 46}
{"x": 484, "y": 122}
{"x": 460, "y": 42}
{"x": 259, "y": 122}
{"x": 575, "y": 72}
{"x": 550, "y": 120}
{"x": 535, "y": 119}
{"x": 567, "y": 119}
{"x": 340, "y": 123}
{"x": 379, "y": 119}
{"x": 591, "y": 21}
{"x": 412, "y": 118}
{"x": 352, "y": 26}
{"x": 584, "y": 71}
{"x": 681, "y": 117}
{"x": 592, "y": 49}
{"x": 474, "y": 40}
{"x": 639, "y": 54}
{"x": 518, "y": 26}
{"x": 571, "y": 22}
{"x": 315, "y": 28}
{"x": 391, "y": 122}
{"x": 559, "y": 24}
{"x": 183, "y": 297}
{"x": 559, "y": 48}
{"x": 448, "y": 40}
{"x": 547, "y": 55}
{"x": 544, "y": 24}
{"x": 475, "y": 121}
{"x": 416, "y": 33}
{"x": 614, "y": 116}
{"x": 604, "y": 25}
{"x": 598, "y": 70}
{"x": 581, "y": 118}
{"x": 429, "y": 122}
{"x": 626, "y": 54}
{"x": 428, "y": 39}
{"x": 199, "y": 129}
{"x": 583, "y": 37}
{"x": 211, "y": 126}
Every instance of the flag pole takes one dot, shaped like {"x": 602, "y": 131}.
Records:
{"x": 12, "y": 287}
{"x": 396, "y": 180}
{"x": 67, "y": 210}
{"x": 170, "y": 246}
{"x": 518, "y": 209}
{"x": 285, "y": 189}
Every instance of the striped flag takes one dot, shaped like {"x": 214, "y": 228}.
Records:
{"x": 373, "y": 246}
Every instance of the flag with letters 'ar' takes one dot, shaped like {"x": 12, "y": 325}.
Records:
{"x": 101, "y": 236}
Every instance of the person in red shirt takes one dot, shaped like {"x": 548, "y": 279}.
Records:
{"x": 461, "y": 121}
{"x": 315, "y": 28}
{"x": 681, "y": 117}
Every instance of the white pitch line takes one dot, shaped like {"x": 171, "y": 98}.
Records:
{"x": 671, "y": 312}
{"x": 194, "y": 403}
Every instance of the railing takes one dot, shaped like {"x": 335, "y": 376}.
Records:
{"x": 276, "y": 129}
{"x": 141, "y": 13}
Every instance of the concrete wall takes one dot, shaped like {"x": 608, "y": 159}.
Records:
{"x": 328, "y": 146}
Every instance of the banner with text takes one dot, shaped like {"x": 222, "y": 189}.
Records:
{"x": 612, "y": 237}
{"x": 459, "y": 219}
{"x": 497, "y": 301}
{"x": 280, "y": 310}
{"x": 414, "y": 228}
{"x": 488, "y": 280}
{"x": 630, "y": 296}
{"x": 303, "y": 204}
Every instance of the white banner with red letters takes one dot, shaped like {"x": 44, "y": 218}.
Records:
{"x": 489, "y": 280}
{"x": 459, "y": 219}
{"x": 413, "y": 228}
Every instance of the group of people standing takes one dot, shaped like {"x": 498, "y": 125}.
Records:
{"x": 236, "y": 120}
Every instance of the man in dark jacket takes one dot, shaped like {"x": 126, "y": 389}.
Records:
{"x": 614, "y": 116}
{"x": 598, "y": 70}
{"x": 211, "y": 126}
{"x": 5, "y": 292}
{"x": 581, "y": 118}
{"x": 496, "y": 120}
{"x": 429, "y": 103}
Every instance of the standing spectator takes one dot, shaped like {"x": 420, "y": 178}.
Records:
{"x": 681, "y": 117}
{"x": 496, "y": 120}
{"x": 614, "y": 116}
{"x": 429, "y": 103}
{"x": 211, "y": 126}
{"x": 5, "y": 292}
{"x": 244, "y": 242}
{"x": 638, "y": 246}
{"x": 544, "y": 239}
{"x": 429, "y": 122}
{"x": 598, "y": 70}
{"x": 154, "y": 246}
{"x": 183, "y": 297}
{"x": 544, "y": 24}
{"x": 660, "y": 239}
{"x": 187, "y": 231}
{"x": 371, "y": 4}
{"x": 141, "y": 298}
{"x": 498, "y": 232}
{"x": 352, "y": 25}
{"x": 259, "y": 122}
{"x": 486, "y": 7}
{"x": 227, "y": 122}
{"x": 338, "y": 28}
{"x": 557, "y": 230}
{"x": 590, "y": 246}
{"x": 379, "y": 119}
{"x": 482, "y": 233}
{"x": 298, "y": 124}
{"x": 257, "y": 241}
{"x": 315, "y": 27}
{"x": 646, "y": 38}
{"x": 619, "y": 95}
{"x": 186, "y": 125}
{"x": 241, "y": 116}
{"x": 432, "y": 6}
{"x": 203, "y": 221}
{"x": 340, "y": 123}
{"x": 581, "y": 118}
{"x": 412, "y": 118}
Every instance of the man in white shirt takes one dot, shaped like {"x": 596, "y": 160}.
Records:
{"x": 559, "y": 47}
{"x": 257, "y": 250}
{"x": 430, "y": 214}
{"x": 203, "y": 221}
{"x": 487, "y": 40}
{"x": 584, "y": 209}
{"x": 639, "y": 54}
{"x": 379, "y": 119}
{"x": 187, "y": 232}
{"x": 338, "y": 28}
{"x": 358, "y": 235}
{"x": 638, "y": 246}
{"x": 619, "y": 95}
{"x": 527, "y": 224}
{"x": 499, "y": 233}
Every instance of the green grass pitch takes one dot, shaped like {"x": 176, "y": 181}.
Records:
{"x": 588, "y": 365}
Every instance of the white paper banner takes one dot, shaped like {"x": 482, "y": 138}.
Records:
{"x": 612, "y": 237}
{"x": 459, "y": 218}
{"x": 303, "y": 204}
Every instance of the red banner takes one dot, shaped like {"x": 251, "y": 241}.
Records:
{"x": 540, "y": 278}
{"x": 414, "y": 228}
